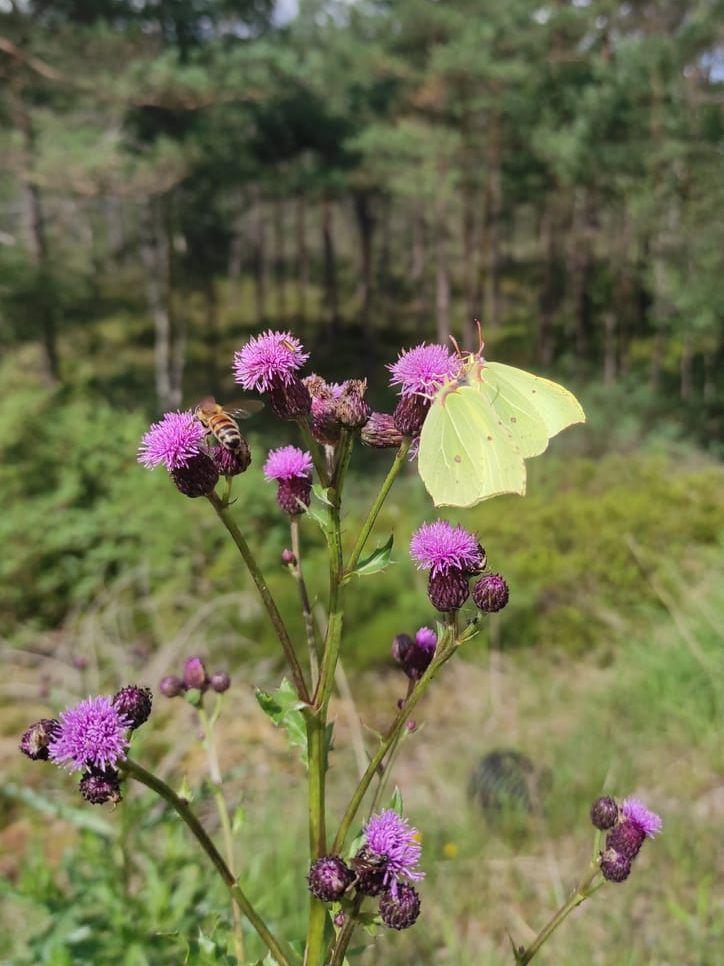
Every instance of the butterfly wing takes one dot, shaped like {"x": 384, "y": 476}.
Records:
{"x": 466, "y": 453}
{"x": 551, "y": 404}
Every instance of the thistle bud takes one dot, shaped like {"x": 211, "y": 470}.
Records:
{"x": 604, "y": 812}
{"x": 479, "y": 566}
{"x": 380, "y": 432}
{"x": 400, "y": 908}
{"x": 293, "y": 496}
{"x": 220, "y": 681}
{"x": 171, "y": 686}
{"x": 409, "y": 414}
{"x": 402, "y": 644}
{"x": 491, "y": 593}
{"x": 195, "y": 677}
{"x": 288, "y": 558}
{"x": 232, "y": 462}
{"x": 290, "y": 400}
{"x": 35, "y": 740}
{"x": 329, "y": 878}
{"x": 414, "y": 656}
{"x": 197, "y": 478}
{"x": 614, "y": 866}
{"x": 369, "y": 871}
{"x": 626, "y": 839}
{"x": 352, "y": 410}
{"x": 98, "y": 786}
{"x": 448, "y": 591}
{"x": 134, "y": 703}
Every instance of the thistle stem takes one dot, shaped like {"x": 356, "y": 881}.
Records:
{"x": 207, "y": 725}
{"x": 298, "y": 574}
{"x": 446, "y": 649}
{"x": 224, "y": 515}
{"x": 157, "y": 785}
{"x": 345, "y": 933}
{"x": 579, "y": 895}
{"x": 391, "y": 756}
{"x": 374, "y": 510}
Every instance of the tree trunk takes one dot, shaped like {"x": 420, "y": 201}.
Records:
{"x": 582, "y": 271}
{"x": 610, "y": 348}
{"x": 211, "y": 331}
{"x": 493, "y": 209}
{"x": 550, "y": 294}
{"x": 442, "y": 275}
{"x": 365, "y": 226}
{"x": 331, "y": 294}
{"x": 280, "y": 260}
{"x": 236, "y": 245}
{"x": 302, "y": 257}
{"x": 258, "y": 241}
{"x": 686, "y": 369}
{"x": 472, "y": 310}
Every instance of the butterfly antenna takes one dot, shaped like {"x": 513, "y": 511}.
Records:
{"x": 481, "y": 340}
{"x": 455, "y": 343}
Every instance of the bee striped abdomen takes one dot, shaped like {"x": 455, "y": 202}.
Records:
{"x": 226, "y": 431}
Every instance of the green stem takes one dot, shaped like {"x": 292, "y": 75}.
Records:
{"x": 446, "y": 648}
{"x": 391, "y": 756}
{"x": 298, "y": 574}
{"x": 579, "y": 895}
{"x": 224, "y": 515}
{"x": 223, "y": 812}
{"x": 397, "y": 465}
{"x": 345, "y": 933}
{"x": 157, "y": 785}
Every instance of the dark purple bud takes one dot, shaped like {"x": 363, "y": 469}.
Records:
{"x": 232, "y": 463}
{"x": 134, "y": 703}
{"x": 369, "y": 869}
{"x": 290, "y": 400}
{"x": 293, "y": 495}
{"x": 400, "y": 910}
{"x": 614, "y": 866}
{"x": 480, "y": 563}
{"x": 34, "y": 742}
{"x": 626, "y": 839}
{"x": 329, "y": 878}
{"x": 448, "y": 591}
{"x": 339, "y": 920}
{"x": 98, "y": 786}
{"x": 197, "y": 478}
{"x": 402, "y": 644}
{"x": 220, "y": 681}
{"x": 195, "y": 674}
{"x": 380, "y": 432}
{"x": 171, "y": 686}
{"x": 288, "y": 558}
{"x": 409, "y": 414}
{"x": 414, "y": 656}
{"x": 604, "y": 812}
{"x": 352, "y": 410}
{"x": 490, "y": 593}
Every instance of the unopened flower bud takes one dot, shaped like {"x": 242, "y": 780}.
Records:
{"x": 98, "y": 786}
{"x": 380, "y": 432}
{"x": 290, "y": 399}
{"x": 195, "y": 674}
{"x": 171, "y": 686}
{"x": 399, "y": 909}
{"x": 626, "y": 839}
{"x": 411, "y": 726}
{"x": 402, "y": 644}
{"x": 352, "y": 410}
{"x": 604, "y": 812}
{"x": 490, "y": 593}
{"x": 294, "y": 495}
{"x": 35, "y": 740}
{"x": 614, "y": 866}
{"x": 448, "y": 591}
{"x": 410, "y": 413}
{"x": 232, "y": 462}
{"x": 288, "y": 558}
{"x": 369, "y": 871}
{"x": 339, "y": 920}
{"x": 197, "y": 478}
{"x": 134, "y": 703}
{"x": 220, "y": 681}
{"x": 414, "y": 656}
{"x": 329, "y": 878}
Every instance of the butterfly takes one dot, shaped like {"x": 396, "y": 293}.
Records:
{"x": 482, "y": 427}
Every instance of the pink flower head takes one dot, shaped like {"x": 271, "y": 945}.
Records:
{"x": 90, "y": 733}
{"x": 422, "y": 370}
{"x": 288, "y": 463}
{"x": 646, "y": 821}
{"x": 440, "y": 547}
{"x": 426, "y": 638}
{"x": 392, "y": 837}
{"x": 269, "y": 358}
{"x": 173, "y": 441}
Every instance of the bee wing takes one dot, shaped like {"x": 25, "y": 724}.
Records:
{"x": 208, "y": 402}
{"x": 243, "y": 408}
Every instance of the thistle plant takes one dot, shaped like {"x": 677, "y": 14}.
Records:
{"x": 364, "y": 865}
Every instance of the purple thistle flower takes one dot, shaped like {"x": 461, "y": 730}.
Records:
{"x": 422, "y": 370}
{"x": 173, "y": 441}
{"x": 426, "y": 638}
{"x": 288, "y": 463}
{"x": 646, "y": 821}
{"x": 269, "y": 358}
{"x": 441, "y": 547}
{"x": 91, "y": 733}
{"x": 391, "y": 837}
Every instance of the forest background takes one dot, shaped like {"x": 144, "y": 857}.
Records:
{"x": 180, "y": 174}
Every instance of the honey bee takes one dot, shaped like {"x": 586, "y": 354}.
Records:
{"x": 221, "y": 420}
